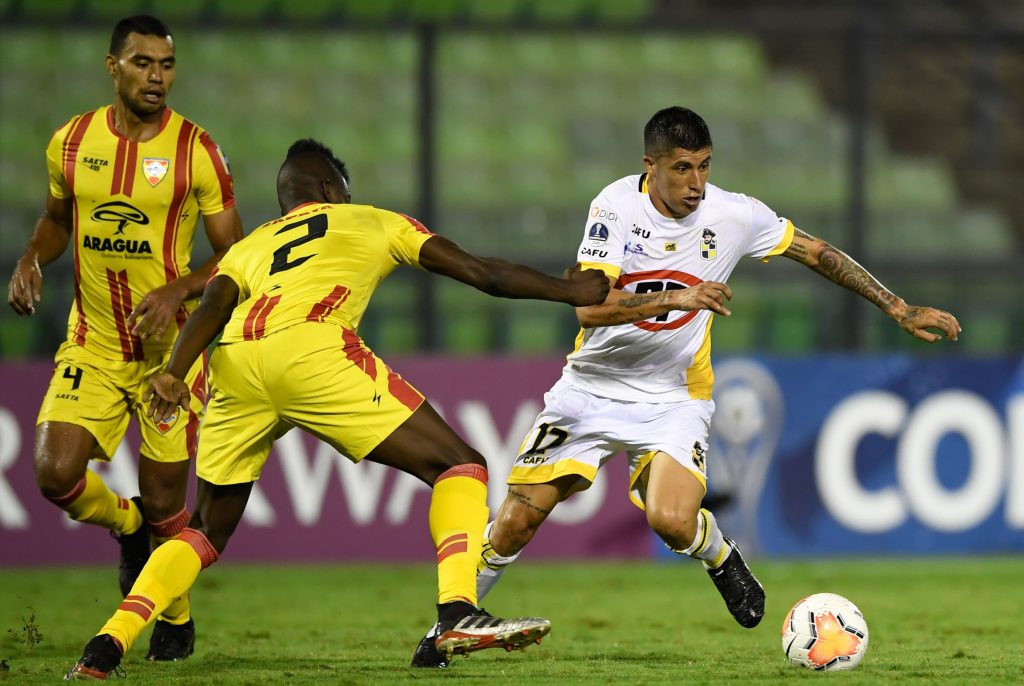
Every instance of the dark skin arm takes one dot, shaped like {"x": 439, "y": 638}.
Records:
{"x": 167, "y": 390}
{"x": 621, "y": 307}
{"x": 504, "y": 279}
{"x": 49, "y": 240}
{"x": 157, "y": 309}
{"x": 837, "y": 266}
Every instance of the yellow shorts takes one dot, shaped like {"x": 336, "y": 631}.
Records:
{"x": 315, "y": 376}
{"x": 101, "y": 395}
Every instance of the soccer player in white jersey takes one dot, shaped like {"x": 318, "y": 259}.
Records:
{"x": 639, "y": 380}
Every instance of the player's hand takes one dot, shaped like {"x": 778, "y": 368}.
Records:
{"x": 156, "y": 311}
{"x": 590, "y": 286}
{"x": 165, "y": 394}
{"x": 707, "y": 295}
{"x": 26, "y": 286}
{"x": 916, "y": 321}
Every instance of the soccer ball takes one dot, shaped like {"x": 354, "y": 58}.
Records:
{"x": 825, "y": 631}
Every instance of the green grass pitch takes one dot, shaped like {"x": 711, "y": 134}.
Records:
{"x": 932, "y": 621}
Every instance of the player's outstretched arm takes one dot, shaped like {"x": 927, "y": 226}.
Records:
{"x": 158, "y": 308}
{"x": 508, "y": 280}
{"x": 839, "y": 267}
{"x": 49, "y": 240}
{"x": 621, "y": 307}
{"x": 167, "y": 388}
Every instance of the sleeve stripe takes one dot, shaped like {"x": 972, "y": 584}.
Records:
{"x": 227, "y": 194}
{"x": 417, "y": 225}
{"x": 75, "y": 135}
{"x": 783, "y": 245}
{"x": 608, "y": 269}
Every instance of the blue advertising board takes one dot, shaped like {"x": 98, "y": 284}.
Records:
{"x": 844, "y": 455}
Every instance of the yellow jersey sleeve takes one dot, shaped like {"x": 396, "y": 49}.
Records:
{"x": 405, "y": 235}
{"x": 55, "y": 163}
{"x": 229, "y": 267}
{"x": 214, "y": 186}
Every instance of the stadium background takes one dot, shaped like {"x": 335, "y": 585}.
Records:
{"x": 890, "y": 129}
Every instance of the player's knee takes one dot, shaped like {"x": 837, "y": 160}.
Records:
{"x": 675, "y": 527}
{"x": 463, "y": 454}
{"x": 161, "y": 503}
{"x": 55, "y": 480}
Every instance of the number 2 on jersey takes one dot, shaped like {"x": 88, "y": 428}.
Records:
{"x": 316, "y": 227}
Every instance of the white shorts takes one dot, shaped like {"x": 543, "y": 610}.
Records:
{"x": 578, "y": 432}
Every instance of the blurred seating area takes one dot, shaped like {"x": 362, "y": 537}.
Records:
{"x": 530, "y": 125}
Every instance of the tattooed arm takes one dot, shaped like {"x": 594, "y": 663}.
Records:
{"x": 621, "y": 307}
{"x": 839, "y": 267}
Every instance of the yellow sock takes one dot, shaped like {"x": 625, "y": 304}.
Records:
{"x": 91, "y": 501}
{"x": 179, "y": 611}
{"x": 170, "y": 572}
{"x": 458, "y": 515}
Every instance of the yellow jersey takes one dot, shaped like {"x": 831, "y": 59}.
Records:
{"x": 135, "y": 209}
{"x": 318, "y": 263}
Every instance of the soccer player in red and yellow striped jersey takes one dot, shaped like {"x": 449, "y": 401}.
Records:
{"x": 127, "y": 185}
{"x": 288, "y": 300}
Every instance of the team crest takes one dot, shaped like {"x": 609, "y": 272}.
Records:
{"x": 670, "y": 247}
{"x": 155, "y": 169}
{"x": 699, "y": 452}
{"x": 708, "y": 245}
{"x": 166, "y": 425}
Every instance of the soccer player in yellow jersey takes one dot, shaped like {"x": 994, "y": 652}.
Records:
{"x": 287, "y": 301}
{"x": 128, "y": 183}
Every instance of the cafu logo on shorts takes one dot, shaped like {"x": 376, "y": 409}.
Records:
{"x": 708, "y": 245}
{"x": 155, "y": 169}
{"x": 166, "y": 425}
{"x": 699, "y": 452}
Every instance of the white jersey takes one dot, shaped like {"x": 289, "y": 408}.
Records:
{"x": 668, "y": 358}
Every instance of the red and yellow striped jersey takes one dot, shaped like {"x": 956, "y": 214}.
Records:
{"x": 318, "y": 263}
{"x": 136, "y": 206}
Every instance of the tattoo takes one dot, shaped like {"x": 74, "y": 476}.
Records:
{"x": 909, "y": 320}
{"x": 524, "y": 500}
{"x": 840, "y": 268}
{"x": 796, "y": 249}
{"x": 624, "y": 311}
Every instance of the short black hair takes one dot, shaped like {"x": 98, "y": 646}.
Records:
{"x": 142, "y": 24}
{"x": 308, "y": 146}
{"x": 675, "y": 127}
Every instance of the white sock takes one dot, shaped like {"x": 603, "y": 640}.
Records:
{"x": 491, "y": 566}
{"x": 708, "y": 545}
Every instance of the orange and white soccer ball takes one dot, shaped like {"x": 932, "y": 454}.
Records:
{"x": 825, "y": 631}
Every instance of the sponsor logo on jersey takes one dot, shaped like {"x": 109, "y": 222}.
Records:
{"x": 594, "y": 252}
{"x": 155, "y": 169}
{"x": 708, "y": 245}
{"x": 698, "y": 455}
{"x": 597, "y": 213}
{"x": 125, "y": 246}
{"x": 635, "y": 248}
{"x": 120, "y": 213}
{"x": 597, "y": 233}
{"x": 165, "y": 426}
{"x": 94, "y": 163}
{"x": 670, "y": 247}
{"x": 643, "y": 233}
